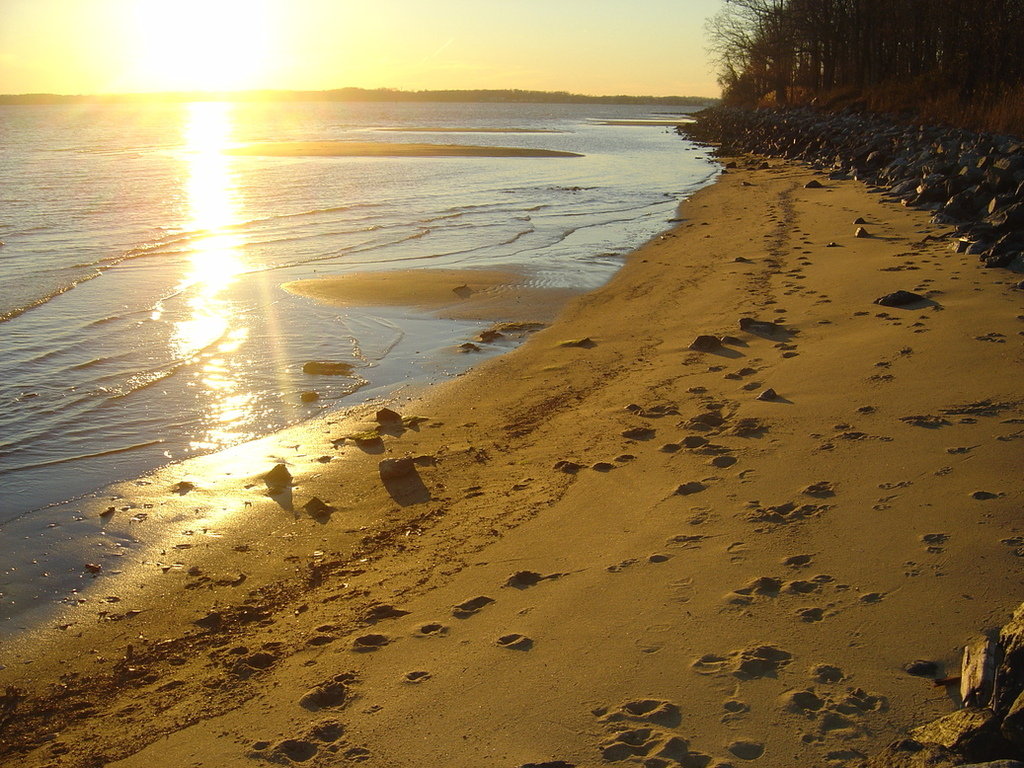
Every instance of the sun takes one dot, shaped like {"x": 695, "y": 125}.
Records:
{"x": 202, "y": 45}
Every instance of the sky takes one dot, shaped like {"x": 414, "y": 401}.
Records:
{"x": 600, "y": 47}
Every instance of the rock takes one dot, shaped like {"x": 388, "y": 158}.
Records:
{"x": 920, "y": 668}
{"x": 309, "y": 396}
{"x": 909, "y": 753}
{"x": 489, "y": 336}
{"x": 183, "y": 487}
{"x": 585, "y": 343}
{"x": 972, "y": 733}
{"x": 524, "y": 579}
{"x": 761, "y": 327}
{"x": 813, "y": 184}
{"x": 322, "y": 368}
{"x": 686, "y": 489}
{"x": 899, "y": 299}
{"x": 861, "y": 232}
{"x": 859, "y": 220}
{"x": 387, "y": 416}
{"x": 468, "y": 347}
{"x": 705, "y": 343}
{"x": 317, "y": 508}
{"x": 1012, "y": 726}
{"x": 768, "y": 395}
{"x": 278, "y": 478}
{"x": 93, "y": 567}
{"x": 391, "y": 469}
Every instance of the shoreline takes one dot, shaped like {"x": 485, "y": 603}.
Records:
{"x": 711, "y": 580}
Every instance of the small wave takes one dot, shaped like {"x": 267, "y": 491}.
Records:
{"x": 10, "y": 314}
{"x": 78, "y": 457}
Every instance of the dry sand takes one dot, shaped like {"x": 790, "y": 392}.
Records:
{"x": 607, "y": 549}
{"x": 384, "y": 149}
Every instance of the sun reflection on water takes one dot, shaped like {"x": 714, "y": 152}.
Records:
{"x": 213, "y": 333}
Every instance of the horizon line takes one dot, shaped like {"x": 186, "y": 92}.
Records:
{"x": 255, "y": 93}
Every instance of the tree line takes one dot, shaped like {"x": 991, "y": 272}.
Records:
{"x": 789, "y": 49}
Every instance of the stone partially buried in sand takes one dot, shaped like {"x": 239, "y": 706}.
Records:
{"x": 325, "y": 368}
{"x": 278, "y": 478}
{"x": 899, "y": 299}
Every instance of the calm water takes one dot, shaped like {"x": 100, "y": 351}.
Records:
{"x": 141, "y": 315}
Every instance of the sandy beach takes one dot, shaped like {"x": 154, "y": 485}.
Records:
{"x": 605, "y": 547}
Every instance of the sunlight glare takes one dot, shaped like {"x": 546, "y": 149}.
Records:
{"x": 212, "y": 328}
{"x": 203, "y": 45}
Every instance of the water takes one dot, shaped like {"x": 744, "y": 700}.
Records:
{"x": 141, "y": 315}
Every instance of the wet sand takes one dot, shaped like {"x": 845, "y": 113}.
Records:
{"x": 603, "y": 547}
{"x": 384, "y": 149}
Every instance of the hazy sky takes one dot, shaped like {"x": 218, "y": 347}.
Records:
{"x": 586, "y": 46}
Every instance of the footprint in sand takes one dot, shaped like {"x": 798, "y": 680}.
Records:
{"x": 734, "y": 710}
{"x": 686, "y": 541}
{"x": 826, "y": 674}
{"x": 655, "y": 711}
{"x": 811, "y": 615}
{"x": 657, "y": 748}
{"x": 620, "y": 567}
{"x": 745, "y": 664}
{"x": 515, "y": 642}
{"x": 330, "y": 694}
{"x": 837, "y": 715}
{"x": 798, "y": 561}
{"x": 369, "y": 643}
{"x": 933, "y": 542}
{"x": 296, "y": 750}
{"x": 471, "y": 607}
{"x": 746, "y": 749}
{"x": 432, "y": 630}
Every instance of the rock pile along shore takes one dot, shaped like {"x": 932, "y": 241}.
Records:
{"x": 974, "y": 182}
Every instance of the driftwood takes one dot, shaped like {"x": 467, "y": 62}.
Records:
{"x": 978, "y": 672}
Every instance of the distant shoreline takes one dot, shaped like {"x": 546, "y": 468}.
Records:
{"x": 358, "y": 94}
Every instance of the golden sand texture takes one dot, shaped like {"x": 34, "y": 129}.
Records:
{"x": 384, "y": 149}
{"x": 603, "y": 544}
{"x": 454, "y": 293}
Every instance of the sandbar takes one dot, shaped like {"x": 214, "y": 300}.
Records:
{"x": 477, "y": 294}
{"x": 384, "y": 149}
{"x": 471, "y": 130}
{"x": 647, "y": 122}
